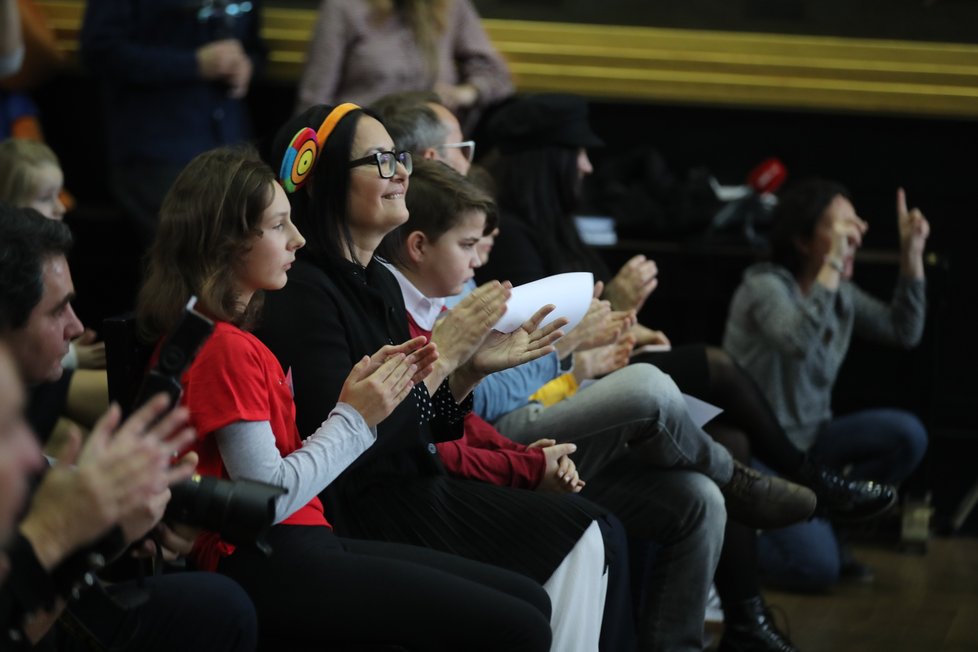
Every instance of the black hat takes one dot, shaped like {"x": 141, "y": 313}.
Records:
{"x": 535, "y": 121}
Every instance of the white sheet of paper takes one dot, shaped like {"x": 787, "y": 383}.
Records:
{"x": 570, "y": 292}
{"x": 701, "y": 412}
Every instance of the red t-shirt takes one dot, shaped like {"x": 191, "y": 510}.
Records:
{"x": 236, "y": 378}
{"x": 483, "y": 453}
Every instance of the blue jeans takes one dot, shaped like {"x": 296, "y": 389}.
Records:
{"x": 885, "y": 445}
{"x": 664, "y": 490}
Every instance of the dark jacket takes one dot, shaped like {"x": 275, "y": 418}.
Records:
{"x": 157, "y": 108}
{"x": 322, "y": 323}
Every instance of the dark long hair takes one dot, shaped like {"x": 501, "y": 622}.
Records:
{"x": 207, "y": 222}
{"x": 799, "y": 209}
{"x": 541, "y": 189}
{"x": 319, "y": 208}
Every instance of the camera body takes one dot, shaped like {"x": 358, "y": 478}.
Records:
{"x": 177, "y": 352}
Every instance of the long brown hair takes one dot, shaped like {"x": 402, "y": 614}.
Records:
{"x": 426, "y": 18}
{"x": 208, "y": 220}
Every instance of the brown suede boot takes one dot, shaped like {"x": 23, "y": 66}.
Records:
{"x": 764, "y": 501}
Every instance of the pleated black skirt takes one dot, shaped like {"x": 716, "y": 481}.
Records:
{"x": 521, "y": 530}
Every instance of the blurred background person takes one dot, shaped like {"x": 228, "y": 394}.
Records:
{"x": 173, "y": 75}
{"x": 790, "y": 325}
{"x": 11, "y": 39}
{"x": 362, "y": 50}
{"x": 99, "y": 498}
{"x": 31, "y": 177}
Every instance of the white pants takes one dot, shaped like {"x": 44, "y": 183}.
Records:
{"x": 577, "y": 591}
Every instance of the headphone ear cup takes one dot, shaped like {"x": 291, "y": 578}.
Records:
{"x": 299, "y": 160}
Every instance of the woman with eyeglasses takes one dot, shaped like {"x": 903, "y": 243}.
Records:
{"x": 226, "y": 236}
{"x": 348, "y": 186}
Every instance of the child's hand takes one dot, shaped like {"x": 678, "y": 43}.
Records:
{"x": 527, "y": 343}
{"x": 374, "y": 390}
{"x": 561, "y": 473}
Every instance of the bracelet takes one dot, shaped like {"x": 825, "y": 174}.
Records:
{"x": 837, "y": 264}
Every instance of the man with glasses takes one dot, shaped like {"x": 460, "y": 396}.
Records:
{"x": 421, "y": 125}
{"x": 680, "y": 511}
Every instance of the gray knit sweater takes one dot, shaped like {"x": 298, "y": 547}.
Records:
{"x": 793, "y": 345}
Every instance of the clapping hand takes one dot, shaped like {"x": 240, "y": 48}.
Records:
{"x": 600, "y": 326}
{"x": 645, "y": 336}
{"x": 375, "y": 389}
{"x": 461, "y": 332}
{"x": 119, "y": 474}
{"x": 595, "y": 363}
{"x": 421, "y": 353}
{"x": 633, "y": 284}
{"x": 528, "y": 342}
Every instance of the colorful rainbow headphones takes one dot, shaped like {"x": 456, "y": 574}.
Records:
{"x": 303, "y": 151}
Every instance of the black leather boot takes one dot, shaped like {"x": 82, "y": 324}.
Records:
{"x": 749, "y": 627}
{"x": 843, "y": 499}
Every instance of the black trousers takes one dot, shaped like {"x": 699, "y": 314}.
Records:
{"x": 191, "y": 612}
{"x": 318, "y": 591}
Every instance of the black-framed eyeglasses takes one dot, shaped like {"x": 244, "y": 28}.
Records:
{"x": 467, "y": 147}
{"x": 386, "y": 162}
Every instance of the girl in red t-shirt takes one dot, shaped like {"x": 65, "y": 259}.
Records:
{"x": 225, "y": 235}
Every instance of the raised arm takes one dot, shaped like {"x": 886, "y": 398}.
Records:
{"x": 901, "y": 322}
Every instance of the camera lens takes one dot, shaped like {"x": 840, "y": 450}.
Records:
{"x": 241, "y": 511}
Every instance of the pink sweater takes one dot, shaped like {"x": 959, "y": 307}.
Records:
{"x": 353, "y": 59}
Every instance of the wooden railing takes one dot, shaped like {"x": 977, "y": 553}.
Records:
{"x": 682, "y": 66}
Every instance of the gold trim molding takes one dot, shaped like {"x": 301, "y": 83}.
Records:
{"x": 651, "y": 64}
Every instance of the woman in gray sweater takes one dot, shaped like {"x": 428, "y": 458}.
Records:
{"x": 790, "y": 324}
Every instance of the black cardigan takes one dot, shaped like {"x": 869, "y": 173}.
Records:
{"x": 329, "y": 315}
